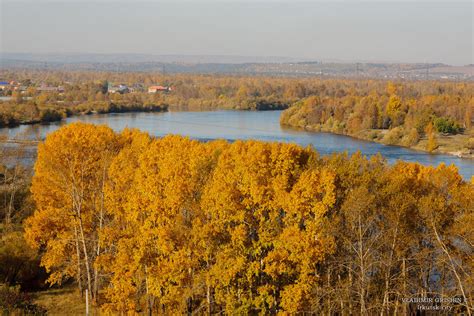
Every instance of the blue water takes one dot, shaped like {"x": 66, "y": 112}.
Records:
{"x": 232, "y": 125}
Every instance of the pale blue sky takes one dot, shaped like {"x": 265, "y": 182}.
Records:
{"x": 351, "y": 30}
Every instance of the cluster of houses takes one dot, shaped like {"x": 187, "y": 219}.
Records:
{"x": 6, "y": 86}
{"x": 9, "y": 86}
{"x": 123, "y": 88}
{"x": 45, "y": 88}
{"x": 12, "y": 86}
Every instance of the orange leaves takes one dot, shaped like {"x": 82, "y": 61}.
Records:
{"x": 179, "y": 225}
{"x": 155, "y": 187}
{"x": 68, "y": 186}
{"x": 269, "y": 199}
{"x": 313, "y": 194}
{"x": 214, "y": 213}
{"x": 294, "y": 298}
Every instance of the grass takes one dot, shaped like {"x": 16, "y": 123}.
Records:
{"x": 451, "y": 144}
{"x": 63, "y": 301}
{"x": 447, "y": 144}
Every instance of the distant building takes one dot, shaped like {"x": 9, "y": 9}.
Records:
{"x": 121, "y": 88}
{"x": 44, "y": 88}
{"x": 4, "y": 85}
{"x": 137, "y": 87}
{"x": 12, "y": 86}
{"x": 155, "y": 89}
{"x": 20, "y": 88}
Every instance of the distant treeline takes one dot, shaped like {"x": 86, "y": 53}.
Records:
{"x": 175, "y": 226}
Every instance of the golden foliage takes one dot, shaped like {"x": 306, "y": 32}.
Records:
{"x": 173, "y": 225}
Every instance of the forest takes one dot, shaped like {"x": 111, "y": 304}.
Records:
{"x": 433, "y": 116}
{"x": 433, "y": 122}
{"x": 176, "y": 226}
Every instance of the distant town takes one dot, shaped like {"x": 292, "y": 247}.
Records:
{"x": 235, "y": 65}
{"x": 8, "y": 88}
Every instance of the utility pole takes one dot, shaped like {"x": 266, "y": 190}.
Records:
{"x": 87, "y": 302}
{"x": 321, "y": 71}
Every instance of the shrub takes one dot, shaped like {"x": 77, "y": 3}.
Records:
{"x": 7, "y": 120}
{"x": 373, "y": 135}
{"x": 446, "y": 126}
{"x": 13, "y": 301}
{"x": 393, "y": 136}
{"x": 49, "y": 115}
{"x": 19, "y": 264}
{"x": 470, "y": 143}
{"x": 411, "y": 138}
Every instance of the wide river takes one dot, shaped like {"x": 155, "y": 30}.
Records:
{"x": 232, "y": 125}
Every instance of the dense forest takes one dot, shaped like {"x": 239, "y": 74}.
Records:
{"x": 176, "y": 226}
{"x": 435, "y": 116}
{"x": 396, "y": 115}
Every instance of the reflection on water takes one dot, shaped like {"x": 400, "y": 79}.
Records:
{"x": 232, "y": 125}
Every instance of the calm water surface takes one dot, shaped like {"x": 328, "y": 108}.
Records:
{"x": 232, "y": 125}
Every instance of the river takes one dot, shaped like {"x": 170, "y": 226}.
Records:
{"x": 232, "y": 125}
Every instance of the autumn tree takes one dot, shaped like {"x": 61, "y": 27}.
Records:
{"x": 68, "y": 189}
{"x": 432, "y": 144}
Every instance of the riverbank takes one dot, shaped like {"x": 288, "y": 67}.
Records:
{"x": 455, "y": 145}
{"x": 451, "y": 145}
{"x": 13, "y": 115}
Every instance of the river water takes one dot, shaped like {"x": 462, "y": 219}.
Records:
{"x": 232, "y": 125}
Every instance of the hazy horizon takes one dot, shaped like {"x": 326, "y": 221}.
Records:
{"x": 345, "y": 31}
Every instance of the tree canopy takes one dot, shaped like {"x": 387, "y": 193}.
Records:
{"x": 174, "y": 225}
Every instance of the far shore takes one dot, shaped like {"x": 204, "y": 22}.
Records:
{"x": 447, "y": 144}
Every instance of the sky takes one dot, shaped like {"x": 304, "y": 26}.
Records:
{"x": 350, "y": 30}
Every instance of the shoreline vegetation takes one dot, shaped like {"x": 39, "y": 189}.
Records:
{"x": 425, "y": 123}
{"x": 459, "y": 145}
{"x": 431, "y": 116}
{"x": 44, "y": 115}
{"x": 177, "y": 226}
